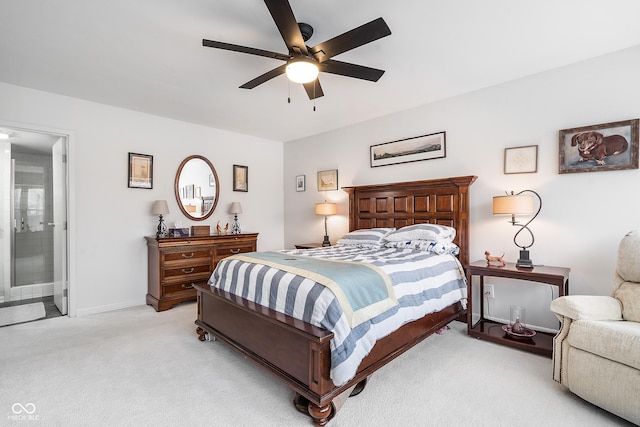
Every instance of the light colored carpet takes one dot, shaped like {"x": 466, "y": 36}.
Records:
{"x": 137, "y": 367}
{"x": 21, "y": 313}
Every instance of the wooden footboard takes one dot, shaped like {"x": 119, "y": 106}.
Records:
{"x": 296, "y": 352}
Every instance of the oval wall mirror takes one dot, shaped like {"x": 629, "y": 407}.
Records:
{"x": 196, "y": 187}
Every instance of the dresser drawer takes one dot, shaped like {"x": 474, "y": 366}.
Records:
{"x": 185, "y": 272}
{"x": 181, "y": 289}
{"x": 224, "y": 251}
{"x": 185, "y": 254}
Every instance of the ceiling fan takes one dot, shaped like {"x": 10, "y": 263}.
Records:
{"x": 314, "y": 59}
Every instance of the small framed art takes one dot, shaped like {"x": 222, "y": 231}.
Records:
{"x": 608, "y": 146}
{"x": 240, "y": 178}
{"x": 521, "y": 159}
{"x": 328, "y": 180}
{"x": 140, "y": 171}
{"x": 424, "y": 147}
{"x": 300, "y": 183}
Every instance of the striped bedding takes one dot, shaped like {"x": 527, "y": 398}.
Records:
{"x": 423, "y": 283}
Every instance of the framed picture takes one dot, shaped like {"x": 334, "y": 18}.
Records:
{"x": 521, "y": 159}
{"x": 328, "y": 180}
{"x": 300, "y": 183}
{"x": 240, "y": 178}
{"x": 140, "y": 171}
{"x": 424, "y": 147}
{"x": 212, "y": 182}
{"x": 609, "y": 146}
{"x": 189, "y": 191}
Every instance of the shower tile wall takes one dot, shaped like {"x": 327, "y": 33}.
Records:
{"x": 34, "y": 241}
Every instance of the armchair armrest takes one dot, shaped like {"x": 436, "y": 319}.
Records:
{"x": 587, "y": 307}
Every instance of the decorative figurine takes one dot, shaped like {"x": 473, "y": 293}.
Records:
{"x": 222, "y": 231}
{"x": 517, "y": 327}
{"x": 497, "y": 259}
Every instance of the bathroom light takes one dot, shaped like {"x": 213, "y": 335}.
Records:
{"x": 302, "y": 70}
{"x": 517, "y": 204}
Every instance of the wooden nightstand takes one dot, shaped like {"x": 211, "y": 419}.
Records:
{"x": 541, "y": 343}
{"x": 308, "y": 245}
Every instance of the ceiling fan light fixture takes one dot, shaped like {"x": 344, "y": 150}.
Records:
{"x": 302, "y": 70}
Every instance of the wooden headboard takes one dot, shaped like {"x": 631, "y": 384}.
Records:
{"x": 437, "y": 201}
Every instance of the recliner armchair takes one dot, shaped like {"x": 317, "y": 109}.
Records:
{"x": 596, "y": 353}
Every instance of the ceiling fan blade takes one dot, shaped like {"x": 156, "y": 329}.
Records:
{"x": 287, "y": 25}
{"x": 314, "y": 90}
{"x": 265, "y": 77}
{"x": 359, "y": 36}
{"x": 351, "y": 70}
{"x": 244, "y": 49}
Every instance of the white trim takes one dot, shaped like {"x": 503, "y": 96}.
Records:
{"x": 110, "y": 307}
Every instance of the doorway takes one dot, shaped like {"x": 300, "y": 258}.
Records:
{"x": 33, "y": 221}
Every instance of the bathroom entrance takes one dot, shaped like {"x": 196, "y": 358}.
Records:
{"x": 33, "y": 222}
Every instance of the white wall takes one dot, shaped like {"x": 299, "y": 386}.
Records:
{"x": 109, "y": 219}
{"x": 584, "y": 215}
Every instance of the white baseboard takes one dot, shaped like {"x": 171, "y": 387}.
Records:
{"x": 110, "y": 307}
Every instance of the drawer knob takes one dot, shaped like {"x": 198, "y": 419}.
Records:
{"x": 234, "y": 251}
{"x": 187, "y": 271}
{"x": 187, "y": 286}
{"x": 188, "y": 256}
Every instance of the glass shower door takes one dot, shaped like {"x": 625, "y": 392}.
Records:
{"x": 33, "y": 239}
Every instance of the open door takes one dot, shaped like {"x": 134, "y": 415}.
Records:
{"x": 59, "y": 224}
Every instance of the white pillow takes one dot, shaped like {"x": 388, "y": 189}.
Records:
{"x": 365, "y": 237}
{"x": 438, "y": 233}
{"x": 425, "y": 245}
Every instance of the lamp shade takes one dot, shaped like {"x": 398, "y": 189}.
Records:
{"x": 301, "y": 70}
{"x": 235, "y": 208}
{"x": 513, "y": 205}
{"x": 326, "y": 209}
{"x": 160, "y": 207}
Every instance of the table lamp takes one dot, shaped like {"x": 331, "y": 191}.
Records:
{"x": 326, "y": 209}
{"x": 235, "y": 209}
{"x": 518, "y": 204}
{"x": 160, "y": 208}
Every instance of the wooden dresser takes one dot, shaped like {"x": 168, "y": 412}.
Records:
{"x": 176, "y": 264}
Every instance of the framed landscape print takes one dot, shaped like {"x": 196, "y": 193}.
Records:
{"x": 424, "y": 147}
{"x": 604, "y": 147}
{"x": 328, "y": 180}
{"x": 140, "y": 171}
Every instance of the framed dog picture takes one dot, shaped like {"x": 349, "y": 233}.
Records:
{"x": 609, "y": 146}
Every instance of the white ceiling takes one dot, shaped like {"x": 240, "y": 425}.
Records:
{"x": 147, "y": 55}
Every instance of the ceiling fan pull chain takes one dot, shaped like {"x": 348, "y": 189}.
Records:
{"x": 314, "y": 95}
{"x": 288, "y": 92}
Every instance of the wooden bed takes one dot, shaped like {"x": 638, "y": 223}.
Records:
{"x": 298, "y": 353}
